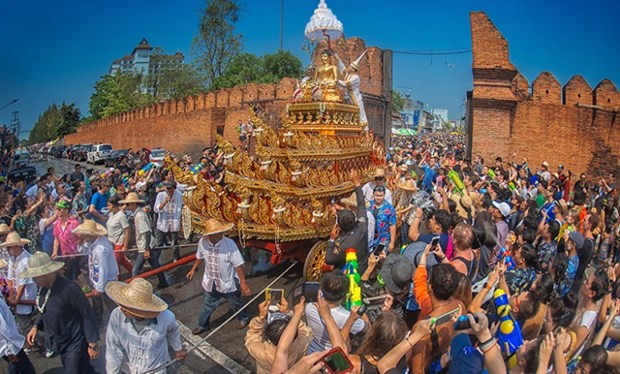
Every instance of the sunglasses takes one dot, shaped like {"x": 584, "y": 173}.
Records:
{"x": 379, "y": 189}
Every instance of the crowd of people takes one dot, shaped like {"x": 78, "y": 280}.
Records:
{"x": 461, "y": 266}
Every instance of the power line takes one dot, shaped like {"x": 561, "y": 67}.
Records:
{"x": 435, "y": 52}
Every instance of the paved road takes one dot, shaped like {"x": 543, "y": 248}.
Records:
{"x": 224, "y": 352}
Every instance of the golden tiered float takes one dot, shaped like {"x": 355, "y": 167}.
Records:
{"x": 280, "y": 197}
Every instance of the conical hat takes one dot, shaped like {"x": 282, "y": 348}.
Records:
{"x": 356, "y": 64}
{"x": 4, "y": 229}
{"x": 409, "y": 185}
{"x": 137, "y": 297}
{"x": 132, "y": 197}
{"x": 90, "y": 227}
{"x": 3, "y": 263}
{"x": 213, "y": 226}
{"x": 40, "y": 264}
{"x": 13, "y": 239}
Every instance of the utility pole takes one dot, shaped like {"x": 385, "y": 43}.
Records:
{"x": 16, "y": 126}
{"x": 281, "y": 24}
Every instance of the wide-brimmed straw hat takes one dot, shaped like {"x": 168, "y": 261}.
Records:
{"x": 132, "y": 198}
{"x": 90, "y": 227}
{"x": 3, "y": 263}
{"x": 409, "y": 185}
{"x": 13, "y": 239}
{"x": 464, "y": 204}
{"x": 40, "y": 264}
{"x": 213, "y": 226}
{"x": 137, "y": 297}
{"x": 4, "y": 229}
{"x": 379, "y": 173}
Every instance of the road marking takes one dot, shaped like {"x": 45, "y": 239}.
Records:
{"x": 207, "y": 350}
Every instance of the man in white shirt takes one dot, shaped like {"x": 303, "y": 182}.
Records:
{"x": 11, "y": 341}
{"x": 379, "y": 180}
{"x": 168, "y": 206}
{"x": 142, "y": 226}
{"x": 140, "y": 329}
{"x": 102, "y": 266}
{"x": 223, "y": 276}
{"x": 19, "y": 288}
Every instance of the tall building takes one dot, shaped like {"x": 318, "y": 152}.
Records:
{"x": 142, "y": 61}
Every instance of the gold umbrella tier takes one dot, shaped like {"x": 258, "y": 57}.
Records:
{"x": 319, "y": 116}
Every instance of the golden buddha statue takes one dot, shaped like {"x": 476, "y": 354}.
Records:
{"x": 326, "y": 78}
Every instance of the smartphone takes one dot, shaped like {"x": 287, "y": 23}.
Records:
{"x": 463, "y": 323}
{"x": 336, "y": 361}
{"x": 374, "y": 301}
{"x": 378, "y": 249}
{"x": 439, "y": 320}
{"x": 274, "y": 295}
{"x": 310, "y": 291}
{"x": 434, "y": 241}
{"x": 362, "y": 309}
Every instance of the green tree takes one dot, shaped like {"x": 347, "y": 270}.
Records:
{"x": 117, "y": 93}
{"x": 69, "y": 119}
{"x": 282, "y": 64}
{"x": 217, "y": 43}
{"x": 44, "y": 128}
{"x": 243, "y": 69}
{"x": 398, "y": 102}
{"x": 248, "y": 68}
{"x": 169, "y": 78}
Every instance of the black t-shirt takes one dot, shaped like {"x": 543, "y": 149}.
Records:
{"x": 585, "y": 256}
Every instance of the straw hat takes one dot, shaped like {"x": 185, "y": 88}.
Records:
{"x": 13, "y": 239}
{"x": 409, "y": 185}
{"x": 131, "y": 198}
{"x": 4, "y": 229}
{"x": 379, "y": 173}
{"x": 40, "y": 264}
{"x": 90, "y": 227}
{"x": 3, "y": 263}
{"x": 213, "y": 226}
{"x": 137, "y": 297}
{"x": 463, "y": 204}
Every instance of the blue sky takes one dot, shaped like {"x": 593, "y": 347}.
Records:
{"x": 52, "y": 51}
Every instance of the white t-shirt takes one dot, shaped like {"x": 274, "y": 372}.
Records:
{"x": 102, "y": 266}
{"x": 16, "y": 266}
{"x": 321, "y": 337}
{"x": 116, "y": 225}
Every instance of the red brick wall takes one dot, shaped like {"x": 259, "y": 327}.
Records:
{"x": 552, "y": 123}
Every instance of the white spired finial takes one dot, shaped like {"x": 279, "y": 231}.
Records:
{"x": 323, "y": 23}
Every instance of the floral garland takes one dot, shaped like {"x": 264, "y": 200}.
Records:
{"x": 40, "y": 307}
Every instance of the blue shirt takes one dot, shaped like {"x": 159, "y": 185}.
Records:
{"x": 385, "y": 216}
{"x": 429, "y": 177}
{"x": 100, "y": 201}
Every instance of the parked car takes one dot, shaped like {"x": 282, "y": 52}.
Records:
{"x": 115, "y": 157}
{"x": 27, "y": 174}
{"x": 81, "y": 153}
{"x": 98, "y": 152}
{"x": 21, "y": 158}
{"x": 157, "y": 156}
{"x": 59, "y": 151}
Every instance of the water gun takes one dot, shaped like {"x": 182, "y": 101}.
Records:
{"x": 491, "y": 173}
{"x": 125, "y": 180}
{"x": 512, "y": 186}
{"x": 508, "y": 260}
{"x": 354, "y": 296}
{"x": 146, "y": 168}
{"x": 456, "y": 180}
{"x": 548, "y": 208}
{"x": 107, "y": 173}
{"x": 196, "y": 168}
{"x": 509, "y": 332}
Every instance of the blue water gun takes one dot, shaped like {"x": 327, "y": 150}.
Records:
{"x": 146, "y": 168}
{"x": 508, "y": 260}
{"x": 548, "y": 208}
{"x": 509, "y": 332}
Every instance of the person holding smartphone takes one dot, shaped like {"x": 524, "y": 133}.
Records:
{"x": 350, "y": 231}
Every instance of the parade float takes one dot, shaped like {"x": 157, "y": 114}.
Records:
{"x": 280, "y": 197}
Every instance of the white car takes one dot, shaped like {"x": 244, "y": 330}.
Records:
{"x": 98, "y": 152}
{"x": 157, "y": 157}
